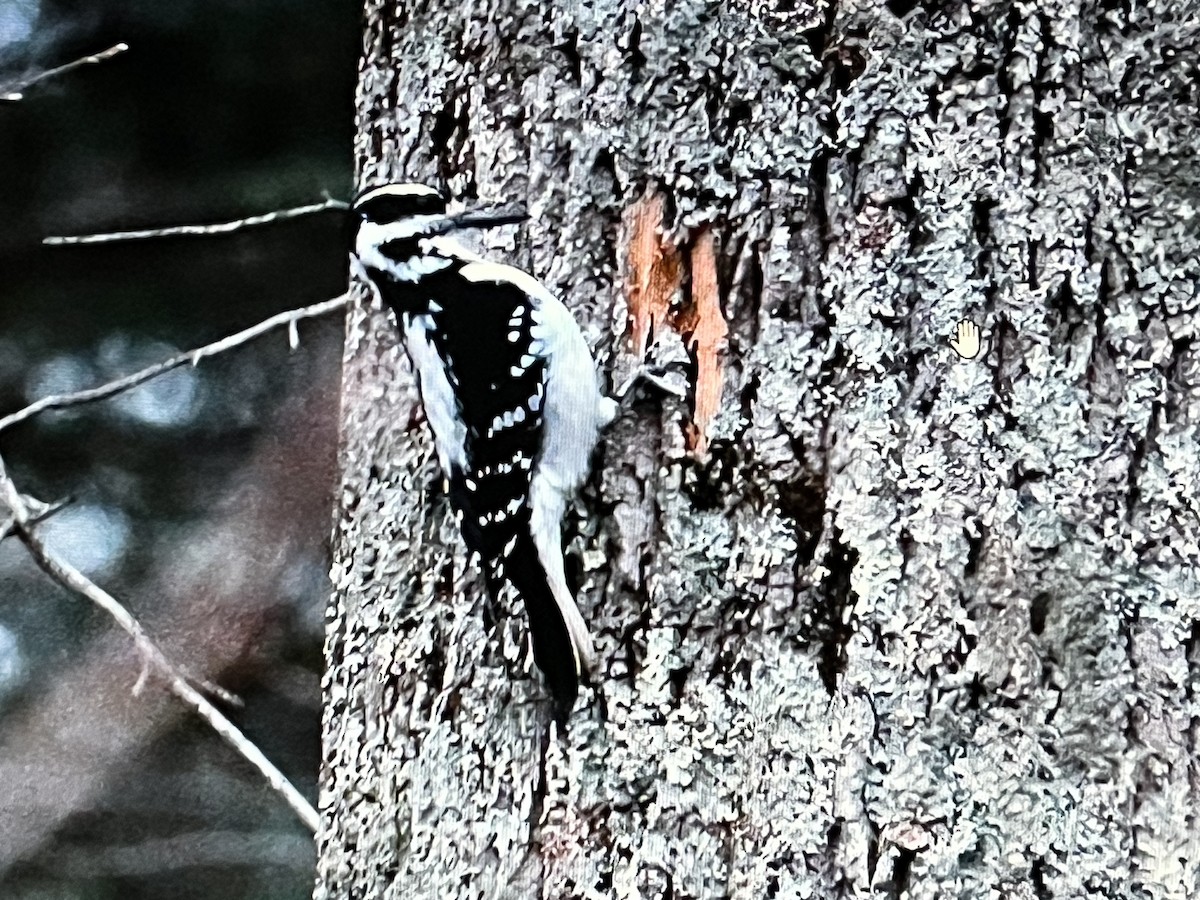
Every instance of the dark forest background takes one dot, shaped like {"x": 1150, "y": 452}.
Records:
{"x": 202, "y": 499}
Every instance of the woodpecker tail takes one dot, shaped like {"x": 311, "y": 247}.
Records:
{"x": 561, "y": 646}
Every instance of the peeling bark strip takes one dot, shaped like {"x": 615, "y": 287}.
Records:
{"x": 702, "y": 325}
{"x": 917, "y": 627}
{"x": 653, "y": 288}
{"x": 655, "y": 271}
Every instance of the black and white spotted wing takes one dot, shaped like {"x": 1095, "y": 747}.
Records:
{"x": 489, "y": 345}
{"x": 502, "y": 444}
{"x": 485, "y": 341}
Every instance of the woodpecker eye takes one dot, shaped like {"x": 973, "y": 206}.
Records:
{"x": 391, "y": 207}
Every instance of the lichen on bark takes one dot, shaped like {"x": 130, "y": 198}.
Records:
{"x": 908, "y": 626}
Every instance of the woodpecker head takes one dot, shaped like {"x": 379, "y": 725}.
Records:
{"x": 393, "y": 218}
{"x": 402, "y": 210}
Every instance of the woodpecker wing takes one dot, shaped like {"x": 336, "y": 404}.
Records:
{"x": 486, "y": 332}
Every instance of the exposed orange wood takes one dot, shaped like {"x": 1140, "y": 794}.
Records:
{"x": 655, "y": 270}
{"x": 703, "y": 326}
{"x": 655, "y": 278}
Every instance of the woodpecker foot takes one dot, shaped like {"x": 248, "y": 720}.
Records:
{"x": 670, "y": 380}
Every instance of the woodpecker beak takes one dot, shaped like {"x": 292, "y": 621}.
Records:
{"x": 489, "y": 217}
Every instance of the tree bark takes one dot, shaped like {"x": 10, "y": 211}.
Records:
{"x": 873, "y": 620}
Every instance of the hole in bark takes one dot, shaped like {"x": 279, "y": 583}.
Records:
{"x": 974, "y": 550}
{"x": 708, "y": 488}
{"x": 678, "y": 678}
{"x": 435, "y": 666}
{"x": 981, "y": 216}
{"x": 1037, "y": 875}
{"x": 739, "y": 112}
{"x": 901, "y": 8}
{"x": 803, "y": 501}
{"x": 831, "y": 619}
{"x": 1063, "y": 302}
{"x": 848, "y": 64}
{"x": 570, "y": 49}
{"x": 818, "y": 174}
{"x": 606, "y": 164}
{"x": 928, "y": 397}
{"x": 443, "y": 127}
{"x": 637, "y": 59}
{"x": 901, "y": 869}
{"x": 752, "y": 286}
{"x": 833, "y": 837}
{"x": 452, "y": 706}
{"x": 975, "y": 692}
{"x": 1039, "y": 607}
{"x": 818, "y": 37}
{"x": 1136, "y": 459}
{"x": 1191, "y": 644}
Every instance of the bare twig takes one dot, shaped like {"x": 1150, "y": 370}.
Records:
{"x": 38, "y": 512}
{"x": 74, "y": 580}
{"x": 104, "y": 391}
{"x": 13, "y": 92}
{"x": 214, "y": 689}
{"x": 218, "y": 228}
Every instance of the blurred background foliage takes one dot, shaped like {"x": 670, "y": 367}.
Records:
{"x": 201, "y": 499}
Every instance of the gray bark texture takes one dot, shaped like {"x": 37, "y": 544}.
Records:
{"x": 873, "y": 620}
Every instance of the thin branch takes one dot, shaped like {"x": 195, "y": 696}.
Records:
{"x": 13, "y": 92}
{"x": 74, "y": 580}
{"x": 104, "y": 391}
{"x": 215, "y": 690}
{"x": 218, "y": 228}
{"x": 38, "y": 512}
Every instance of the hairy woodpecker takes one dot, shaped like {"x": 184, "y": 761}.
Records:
{"x": 511, "y": 393}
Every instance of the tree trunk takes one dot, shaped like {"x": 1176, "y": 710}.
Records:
{"x": 873, "y": 620}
